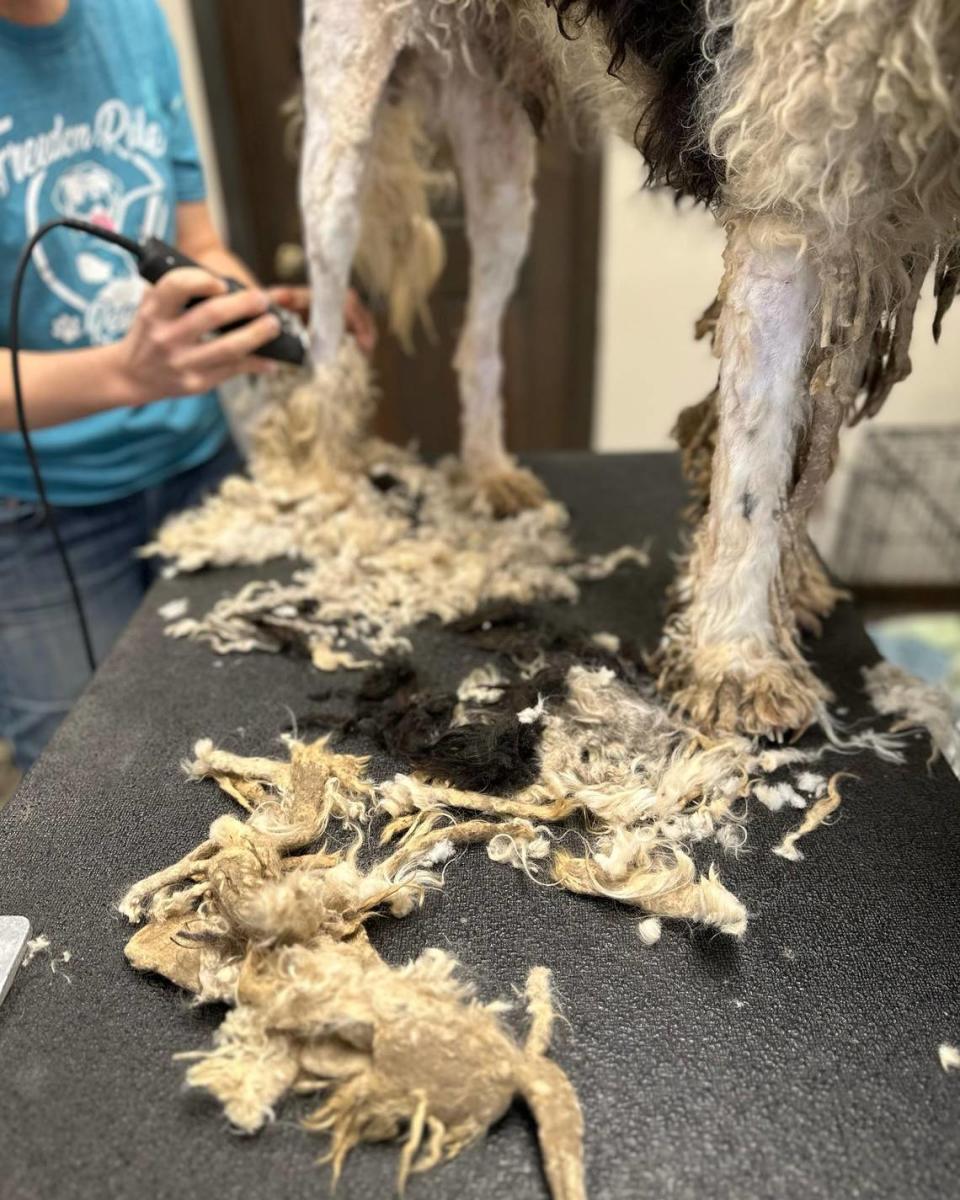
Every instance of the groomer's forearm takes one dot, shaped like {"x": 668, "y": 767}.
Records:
{"x": 221, "y": 261}
{"x": 198, "y": 238}
{"x": 64, "y": 385}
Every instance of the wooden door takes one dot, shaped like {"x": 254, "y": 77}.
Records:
{"x": 249, "y": 51}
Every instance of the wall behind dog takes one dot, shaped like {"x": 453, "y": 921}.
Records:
{"x": 180, "y": 21}
{"x": 659, "y": 268}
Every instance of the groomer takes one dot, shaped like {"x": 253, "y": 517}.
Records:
{"x": 120, "y": 383}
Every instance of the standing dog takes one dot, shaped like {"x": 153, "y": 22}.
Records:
{"x": 825, "y": 134}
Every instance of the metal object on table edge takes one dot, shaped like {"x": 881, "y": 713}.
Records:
{"x": 14, "y": 934}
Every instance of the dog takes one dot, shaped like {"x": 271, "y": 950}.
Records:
{"x": 825, "y": 137}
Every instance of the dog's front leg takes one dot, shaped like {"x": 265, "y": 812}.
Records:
{"x": 495, "y": 151}
{"x": 729, "y": 654}
{"x": 348, "y": 52}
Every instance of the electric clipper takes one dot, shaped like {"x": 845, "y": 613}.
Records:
{"x": 290, "y": 344}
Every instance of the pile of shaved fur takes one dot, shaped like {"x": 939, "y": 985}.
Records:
{"x": 388, "y": 542}
{"x": 268, "y": 915}
{"x": 555, "y": 753}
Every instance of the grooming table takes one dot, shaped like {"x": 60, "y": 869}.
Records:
{"x": 801, "y": 1062}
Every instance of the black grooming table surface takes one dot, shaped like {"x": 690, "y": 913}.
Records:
{"x": 801, "y": 1062}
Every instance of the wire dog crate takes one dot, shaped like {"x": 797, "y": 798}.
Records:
{"x": 899, "y": 525}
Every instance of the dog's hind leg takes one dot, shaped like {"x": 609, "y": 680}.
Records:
{"x": 809, "y": 591}
{"x": 730, "y": 655}
{"x": 495, "y": 151}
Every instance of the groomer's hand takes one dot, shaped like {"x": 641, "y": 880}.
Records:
{"x": 167, "y": 351}
{"x": 359, "y": 319}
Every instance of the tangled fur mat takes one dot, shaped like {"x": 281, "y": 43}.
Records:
{"x": 556, "y": 755}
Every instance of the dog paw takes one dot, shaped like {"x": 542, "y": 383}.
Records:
{"x": 744, "y": 688}
{"x": 509, "y": 490}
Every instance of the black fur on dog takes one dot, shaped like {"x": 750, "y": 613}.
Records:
{"x": 666, "y": 36}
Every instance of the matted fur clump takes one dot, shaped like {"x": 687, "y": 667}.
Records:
{"x": 641, "y": 788}
{"x": 389, "y": 541}
{"x": 263, "y": 919}
{"x": 893, "y": 692}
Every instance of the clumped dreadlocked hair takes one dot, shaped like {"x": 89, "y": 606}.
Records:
{"x": 667, "y": 38}
{"x": 844, "y": 118}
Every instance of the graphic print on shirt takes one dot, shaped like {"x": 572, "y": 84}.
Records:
{"x": 105, "y": 172}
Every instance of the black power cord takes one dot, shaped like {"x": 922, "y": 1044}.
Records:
{"x": 49, "y": 515}
{"x": 154, "y": 258}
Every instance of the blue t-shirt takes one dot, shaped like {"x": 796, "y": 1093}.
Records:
{"x": 93, "y": 124}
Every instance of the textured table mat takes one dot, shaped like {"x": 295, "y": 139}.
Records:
{"x": 799, "y": 1063}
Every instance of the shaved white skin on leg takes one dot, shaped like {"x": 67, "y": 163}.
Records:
{"x": 763, "y": 336}
{"x": 495, "y": 151}
{"x": 348, "y": 52}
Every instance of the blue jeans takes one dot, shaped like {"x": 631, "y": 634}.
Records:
{"x": 42, "y": 664}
